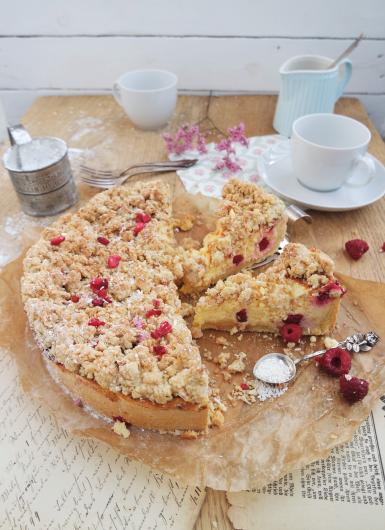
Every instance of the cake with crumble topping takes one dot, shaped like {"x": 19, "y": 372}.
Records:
{"x": 100, "y": 295}
{"x": 250, "y": 225}
{"x": 299, "y": 288}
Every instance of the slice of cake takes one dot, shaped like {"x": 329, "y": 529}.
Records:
{"x": 250, "y": 225}
{"x": 299, "y": 288}
{"x": 100, "y": 297}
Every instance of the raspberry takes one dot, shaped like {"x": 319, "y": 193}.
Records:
{"x": 238, "y": 259}
{"x": 263, "y": 244}
{"x": 99, "y": 302}
{"x": 96, "y": 322}
{"x": 325, "y": 295}
{"x": 56, "y": 241}
{"x": 156, "y": 303}
{"x": 291, "y": 332}
{"x": 97, "y": 284}
{"x": 159, "y": 350}
{"x": 241, "y": 316}
{"x": 353, "y": 389}
{"x": 244, "y": 386}
{"x": 103, "y": 240}
{"x": 293, "y": 318}
{"x": 113, "y": 261}
{"x": 142, "y": 218}
{"x": 356, "y": 248}
{"x": 75, "y": 298}
{"x": 153, "y": 313}
{"x": 336, "y": 362}
{"x": 138, "y": 228}
{"x": 164, "y": 329}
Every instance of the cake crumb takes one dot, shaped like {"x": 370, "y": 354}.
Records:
{"x": 223, "y": 359}
{"x": 313, "y": 339}
{"x": 330, "y": 343}
{"x": 238, "y": 366}
{"x": 226, "y": 377}
{"x": 222, "y": 341}
{"x": 120, "y": 428}
{"x": 186, "y": 309}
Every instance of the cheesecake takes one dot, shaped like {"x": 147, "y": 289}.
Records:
{"x": 250, "y": 225}
{"x": 299, "y": 288}
{"x": 99, "y": 289}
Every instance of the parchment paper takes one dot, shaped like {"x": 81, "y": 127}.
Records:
{"x": 258, "y": 443}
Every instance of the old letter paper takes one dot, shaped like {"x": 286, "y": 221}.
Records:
{"x": 347, "y": 490}
{"x": 51, "y": 480}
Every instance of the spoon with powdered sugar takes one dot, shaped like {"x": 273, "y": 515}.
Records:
{"x": 278, "y": 368}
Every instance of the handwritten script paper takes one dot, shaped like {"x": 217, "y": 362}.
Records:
{"x": 346, "y": 490}
{"x": 50, "y": 480}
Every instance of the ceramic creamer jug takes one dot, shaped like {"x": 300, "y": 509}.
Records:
{"x": 308, "y": 86}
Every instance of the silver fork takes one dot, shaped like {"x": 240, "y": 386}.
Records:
{"x": 107, "y": 179}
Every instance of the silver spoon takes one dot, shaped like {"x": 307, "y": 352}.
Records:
{"x": 264, "y": 368}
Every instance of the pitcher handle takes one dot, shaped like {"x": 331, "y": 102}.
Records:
{"x": 347, "y": 65}
{"x": 18, "y": 135}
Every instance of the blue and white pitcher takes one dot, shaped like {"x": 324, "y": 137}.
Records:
{"x": 308, "y": 87}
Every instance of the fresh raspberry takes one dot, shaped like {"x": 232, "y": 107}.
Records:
{"x": 244, "y": 386}
{"x": 156, "y": 303}
{"x": 103, "y": 240}
{"x": 293, "y": 318}
{"x": 291, "y": 332}
{"x": 336, "y": 362}
{"x": 97, "y": 284}
{"x": 164, "y": 329}
{"x": 153, "y": 313}
{"x": 142, "y": 218}
{"x": 241, "y": 316}
{"x": 97, "y": 302}
{"x": 159, "y": 350}
{"x": 113, "y": 261}
{"x": 238, "y": 259}
{"x": 356, "y": 248}
{"x": 352, "y": 388}
{"x": 96, "y": 322}
{"x": 75, "y": 298}
{"x": 138, "y": 228}
{"x": 56, "y": 241}
{"x": 263, "y": 244}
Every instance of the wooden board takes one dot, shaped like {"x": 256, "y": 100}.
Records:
{"x": 97, "y": 123}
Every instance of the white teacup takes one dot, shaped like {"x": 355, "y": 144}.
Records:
{"x": 147, "y": 96}
{"x": 329, "y": 150}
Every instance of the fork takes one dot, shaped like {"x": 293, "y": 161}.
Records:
{"x": 107, "y": 179}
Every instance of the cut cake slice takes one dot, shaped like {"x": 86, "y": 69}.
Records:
{"x": 250, "y": 225}
{"x": 299, "y": 288}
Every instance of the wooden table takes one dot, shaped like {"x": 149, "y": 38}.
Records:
{"x": 99, "y": 126}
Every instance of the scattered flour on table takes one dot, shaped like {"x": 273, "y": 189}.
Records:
{"x": 85, "y": 126}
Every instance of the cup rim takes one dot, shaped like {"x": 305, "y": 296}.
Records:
{"x": 340, "y": 117}
{"x": 172, "y": 75}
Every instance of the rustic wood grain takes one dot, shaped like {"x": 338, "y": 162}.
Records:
{"x": 99, "y": 125}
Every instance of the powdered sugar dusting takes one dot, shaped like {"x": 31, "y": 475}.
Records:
{"x": 264, "y": 391}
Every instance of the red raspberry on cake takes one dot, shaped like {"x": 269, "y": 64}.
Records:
{"x": 336, "y": 362}
{"x": 352, "y": 388}
{"x": 356, "y": 248}
{"x": 291, "y": 332}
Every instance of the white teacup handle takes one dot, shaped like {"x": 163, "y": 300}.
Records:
{"x": 116, "y": 92}
{"x": 370, "y": 168}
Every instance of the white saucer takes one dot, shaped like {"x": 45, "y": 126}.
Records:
{"x": 279, "y": 176}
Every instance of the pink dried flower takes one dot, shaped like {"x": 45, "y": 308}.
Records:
{"x": 187, "y": 137}
{"x": 227, "y": 163}
{"x": 225, "y": 145}
{"x": 142, "y": 336}
{"x": 237, "y": 134}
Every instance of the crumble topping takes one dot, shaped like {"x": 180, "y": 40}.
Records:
{"x": 102, "y": 301}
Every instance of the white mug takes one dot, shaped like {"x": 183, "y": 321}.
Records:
{"x": 329, "y": 150}
{"x": 147, "y": 96}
